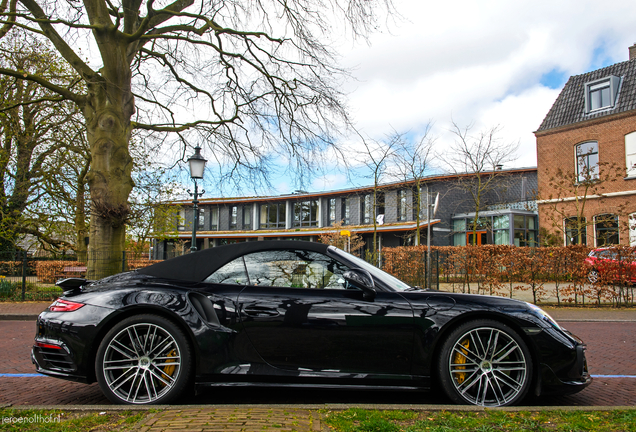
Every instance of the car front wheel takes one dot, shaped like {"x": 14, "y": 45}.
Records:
{"x": 593, "y": 276}
{"x": 485, "y": 362}
{"x": 145, "y": 359}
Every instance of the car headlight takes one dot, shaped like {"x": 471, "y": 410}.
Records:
{"x": 543, "y": 316}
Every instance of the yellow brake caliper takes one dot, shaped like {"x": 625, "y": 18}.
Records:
{"x": 169, "y": 369}
{"x": 460, "y": 358}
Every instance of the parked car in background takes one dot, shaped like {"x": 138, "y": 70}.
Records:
{"x": 289, "y": 313}
{"x": 612, "y": 265}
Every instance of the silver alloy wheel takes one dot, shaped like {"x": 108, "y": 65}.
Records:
{"x": 141, "y": 363}
{"x": 593, "y": 276}
{"x": 488, "y": 367}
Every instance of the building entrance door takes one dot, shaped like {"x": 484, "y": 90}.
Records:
{"x": 482, "y": 238}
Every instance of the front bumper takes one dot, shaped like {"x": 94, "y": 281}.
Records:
{"x": 569, "y": 381}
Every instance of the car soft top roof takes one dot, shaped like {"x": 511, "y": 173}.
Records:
{"x": 197, "y": 266}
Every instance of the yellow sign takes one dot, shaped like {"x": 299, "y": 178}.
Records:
{"x": 345, "y": 233}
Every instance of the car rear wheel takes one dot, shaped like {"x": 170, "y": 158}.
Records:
{"x": 145, "y": 359}
{"x": 593, "y": 276}
{"x": 485, "y": 362}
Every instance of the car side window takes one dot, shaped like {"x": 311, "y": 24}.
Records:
{"x": 232, "y": 273}
{"x": 294, "y": 269}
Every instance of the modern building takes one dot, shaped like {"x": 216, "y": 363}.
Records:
{"x": 586, "y": 158}
{"x": 507, "y": 214}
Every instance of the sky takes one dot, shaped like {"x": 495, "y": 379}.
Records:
{"x": 479, "y": 63}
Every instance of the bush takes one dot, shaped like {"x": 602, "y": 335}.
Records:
{"x": 8, "y": 289}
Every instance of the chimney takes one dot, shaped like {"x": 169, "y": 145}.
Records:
{"x": 632, "y": 52}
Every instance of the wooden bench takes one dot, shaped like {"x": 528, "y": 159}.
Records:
{"x": 71, "y": 271}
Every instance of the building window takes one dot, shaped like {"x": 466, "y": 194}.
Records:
{"x": 233, "y": 217}
{"x": 601, "y": 94}
{"x": 201, "y": 219}
{"x": 214, "y": 219}
{"x": 632, "y": 229}
{"x": 366, "y": 209}
{"x": 587, "y": 161}
{"x": 332, "y": 211}
{"x": 181, "y": 219}
{"x": 572, "y": 234}
{"x": 525, "y": 231}
{"x": 402, "y": 205}
{"x": 422, "y": 206}
{"x": 306, "y": 213}
{"x": 273, "y": 215}
{"x": 344, "y": 211}
{"x": 606, "y": 229}
{"x": 459, "y": 227}
{"x": 630, "y": 154}
{"x": 247, "y": 217}
{"x": 501, "y": 230}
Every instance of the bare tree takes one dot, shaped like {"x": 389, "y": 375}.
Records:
{"x": 477, "y": 160}
{"x": 413, "y": 160}
{"x": 251, "y": 80}
{"x": 32, "y": 121}
{"x": 568, "y": 192}
{"x": 378, "y": 158}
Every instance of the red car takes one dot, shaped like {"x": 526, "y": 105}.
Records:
{"x": 612, "y": 264}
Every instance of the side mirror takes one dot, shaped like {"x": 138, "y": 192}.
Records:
{"x": 363, "y": 280}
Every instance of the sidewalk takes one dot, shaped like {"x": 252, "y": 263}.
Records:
{"x": 22, "y": 311}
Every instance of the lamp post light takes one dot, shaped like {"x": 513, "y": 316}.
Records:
{"x": 197, "y": 165}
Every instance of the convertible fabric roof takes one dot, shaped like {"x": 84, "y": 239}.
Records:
{"x": 197, "y": 266}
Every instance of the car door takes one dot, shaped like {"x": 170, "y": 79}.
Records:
{"x": 300, "y": 316}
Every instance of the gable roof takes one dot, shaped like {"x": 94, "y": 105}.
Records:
{"x": 569, "y": 107}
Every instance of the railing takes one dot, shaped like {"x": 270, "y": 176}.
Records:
{"x": 33, "y": 277}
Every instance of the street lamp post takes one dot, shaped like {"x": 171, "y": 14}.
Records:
{"x": 197, "y": 165}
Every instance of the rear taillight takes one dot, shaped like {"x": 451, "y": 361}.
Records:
{"x": 60, "y": 305}
{"x": 47, "y": 345}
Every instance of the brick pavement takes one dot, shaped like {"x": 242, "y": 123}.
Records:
{"x": 233, "y": 419}
{"x": 608, "y": 354}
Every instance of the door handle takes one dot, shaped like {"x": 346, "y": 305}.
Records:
{"x": 260, "y": 311}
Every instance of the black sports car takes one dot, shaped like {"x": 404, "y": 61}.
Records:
{"x": 290, "y": 313}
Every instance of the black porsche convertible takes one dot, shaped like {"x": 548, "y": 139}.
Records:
{"x": 287, "y": 313}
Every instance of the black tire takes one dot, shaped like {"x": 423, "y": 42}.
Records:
{"x": 145, "y": 359}
{"x": 485, "y": 362}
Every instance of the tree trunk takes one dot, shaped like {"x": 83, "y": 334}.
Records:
{"x": 108, "y": 111}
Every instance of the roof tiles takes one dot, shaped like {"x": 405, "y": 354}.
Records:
{"x": 569, "y": 107}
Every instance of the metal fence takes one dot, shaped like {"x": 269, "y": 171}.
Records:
{"x": 32, "y": 277}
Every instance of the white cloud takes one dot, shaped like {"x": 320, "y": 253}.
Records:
{"x": 482, "y": 63}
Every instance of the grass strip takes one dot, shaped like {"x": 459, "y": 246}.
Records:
{"x": 68, "y": 421}
{"x": 361, "y": 420}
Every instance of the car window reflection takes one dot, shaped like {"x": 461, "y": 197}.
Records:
{"x": 232, "y": 273}
{"x": 294, "y": 269}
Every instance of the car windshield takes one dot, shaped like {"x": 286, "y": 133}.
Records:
{"x": 387, "y": 280}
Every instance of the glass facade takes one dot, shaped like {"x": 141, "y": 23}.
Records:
{"x": 500, "y": 229}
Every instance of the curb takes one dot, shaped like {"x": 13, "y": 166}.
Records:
{"x": 316, "y": 407}
{"x": 19, "y": 317}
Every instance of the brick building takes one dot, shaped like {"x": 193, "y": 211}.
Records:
{"x": 586, "y": 159}
{"x": 507, "y": 215}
